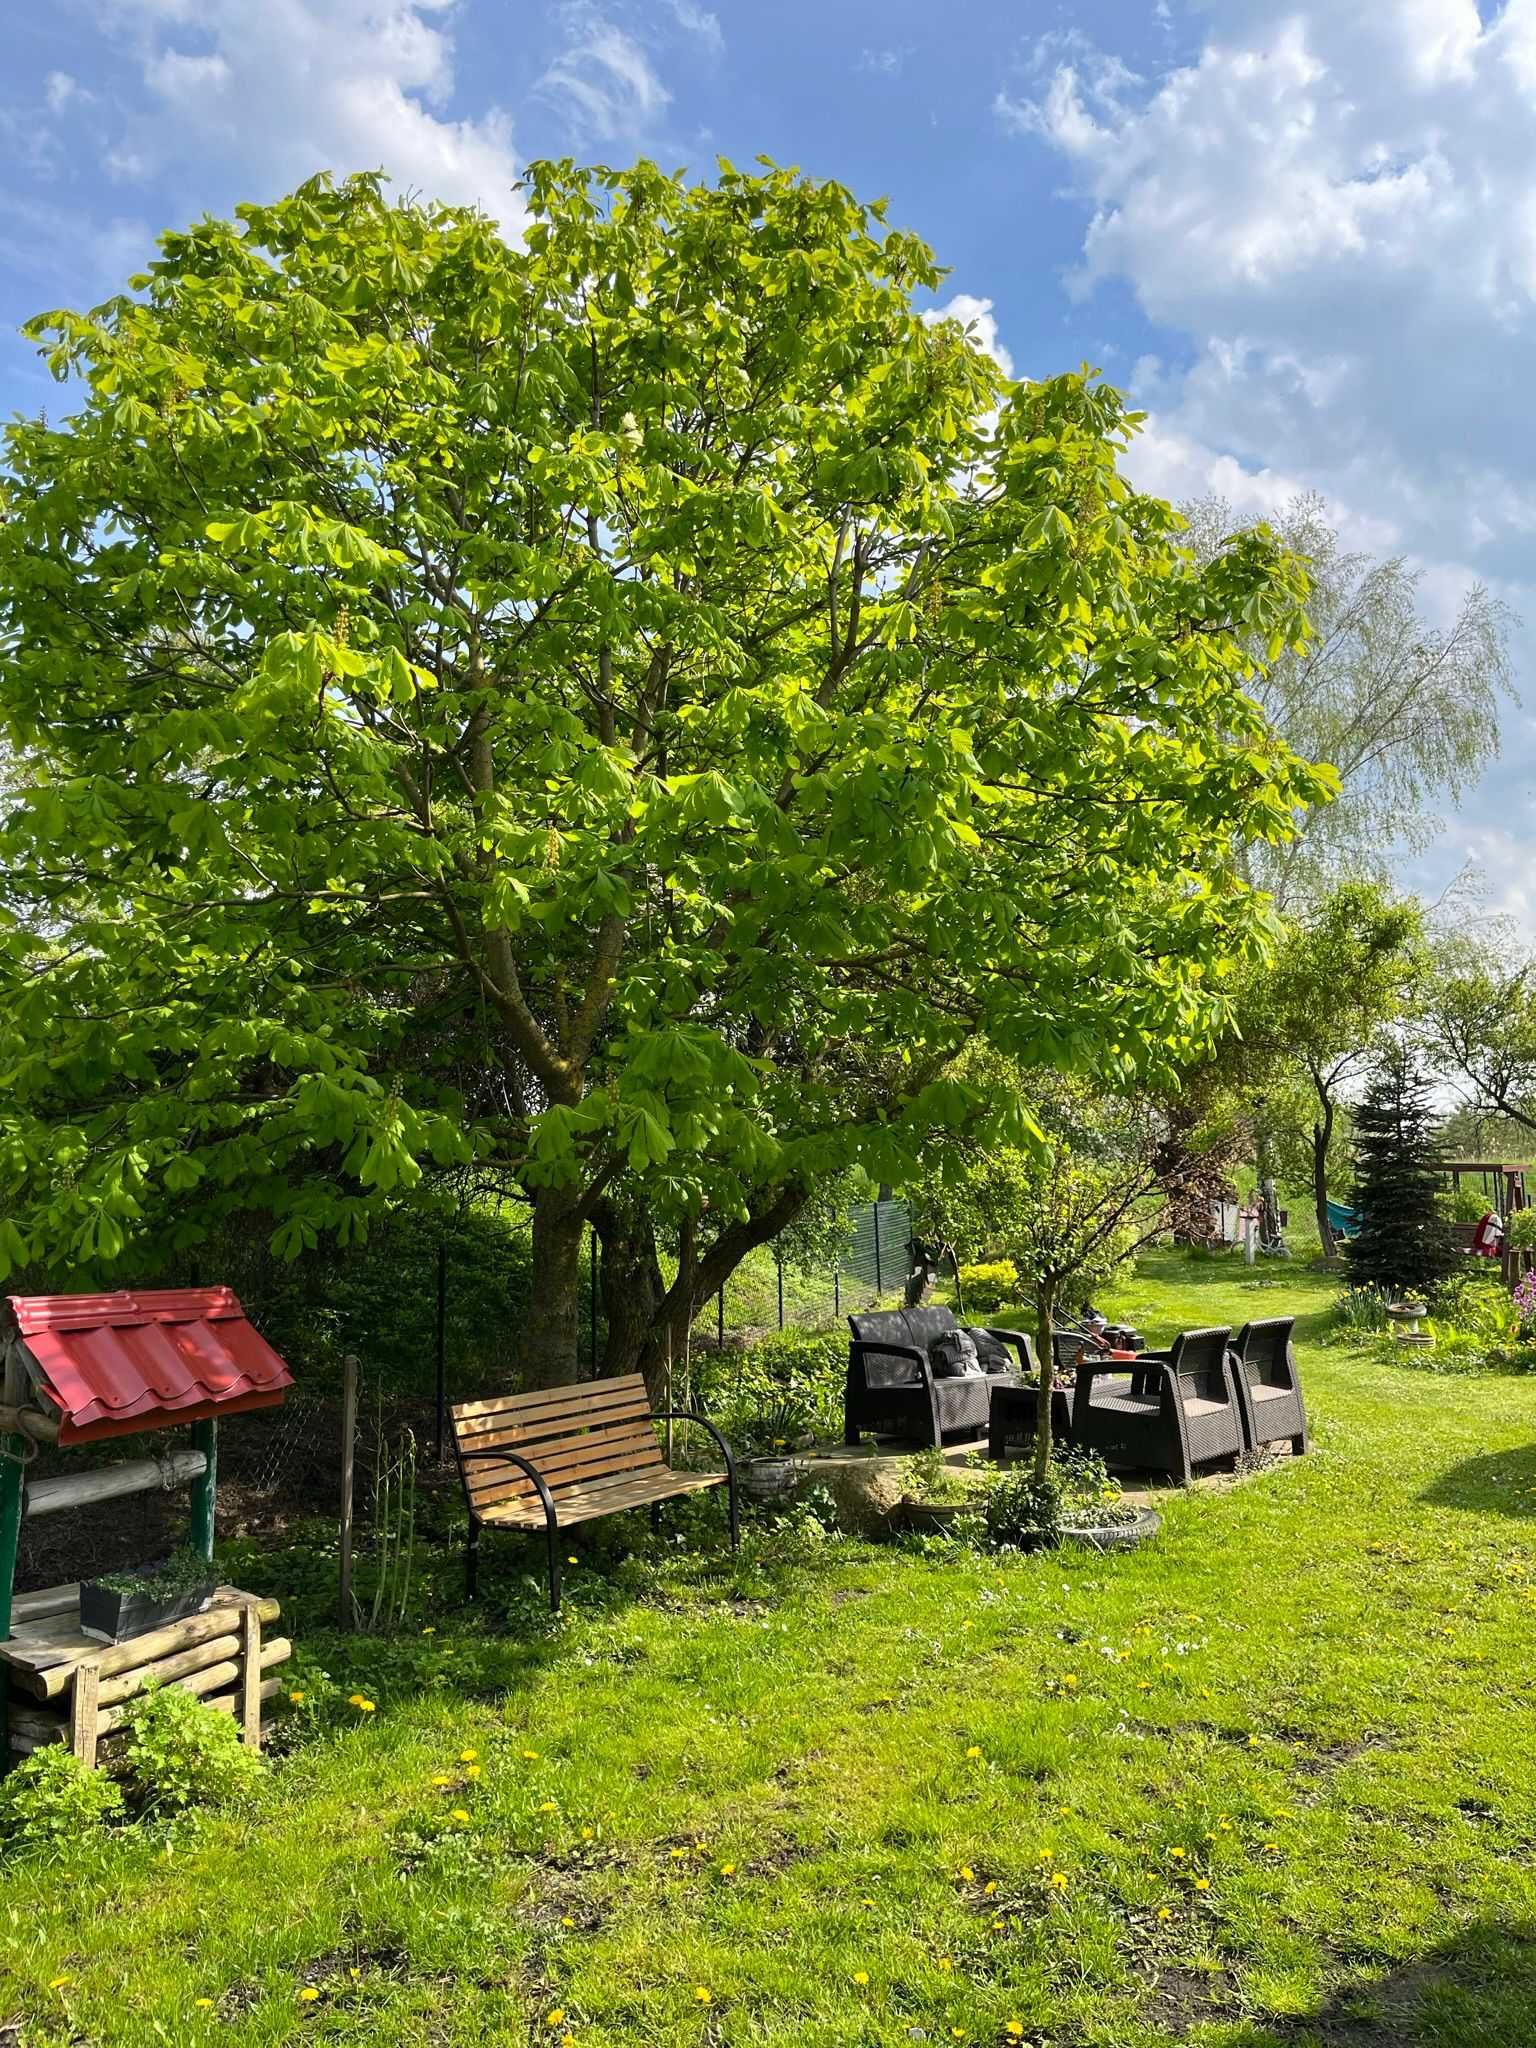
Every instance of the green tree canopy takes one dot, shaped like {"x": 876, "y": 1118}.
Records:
{"x": 614, "y": 715}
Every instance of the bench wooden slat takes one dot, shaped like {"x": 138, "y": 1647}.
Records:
{"x": 610, "y": 1497}
{"x": 579, "y": 1392}
{"x": 581, "y": 1460}
{"x": 514, "y": 1436}
{"x": 579, "y": 1403}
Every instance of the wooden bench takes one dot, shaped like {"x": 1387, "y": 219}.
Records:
{"x": 570, "y": 1454}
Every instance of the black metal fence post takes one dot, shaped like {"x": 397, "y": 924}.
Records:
{"x": 720, "y": 1318}
{"x": 592, "y": 1297}
{"x": 442, "y": 1344}
{"x": 779, "y": 1264}
{"x": 879, "y": 1287}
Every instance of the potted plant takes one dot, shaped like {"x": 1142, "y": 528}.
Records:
{"x": 119, "y": 1605}
{"x": 1076, "y": 1502}
{"x": 936, "y": 1493}
{"x": 773, "y": 1437}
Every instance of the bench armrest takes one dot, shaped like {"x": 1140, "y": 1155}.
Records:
{"x": 508, "y": 1458}
{"x": 693, "y": 1415}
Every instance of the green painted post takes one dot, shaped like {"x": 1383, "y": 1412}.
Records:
{"x": 205, "y": 1438}
{"x": 11, "y": 1474}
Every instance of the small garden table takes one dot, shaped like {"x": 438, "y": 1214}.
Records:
{"x": 1012, "y": 1413}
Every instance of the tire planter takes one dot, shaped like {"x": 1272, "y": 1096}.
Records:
{"x": 1117, "y": 1535}
{"x": 932, "y": 1517}
{"x": 111, "y": 1617}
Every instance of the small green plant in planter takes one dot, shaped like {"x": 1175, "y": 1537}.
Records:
{"x": 935, "y": 1493}
{"x": 119, "y": 1605}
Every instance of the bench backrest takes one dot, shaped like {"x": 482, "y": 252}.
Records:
{"x": 1265, "y": 1348}
{"x": 573, "y": 1434}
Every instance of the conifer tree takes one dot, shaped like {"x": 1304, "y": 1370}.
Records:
{"x": 1405, "y": 1243}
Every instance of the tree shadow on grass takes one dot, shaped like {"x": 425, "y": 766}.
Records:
{"x": 1499, "y": 1483}
{"x": 1475, "y": 1989}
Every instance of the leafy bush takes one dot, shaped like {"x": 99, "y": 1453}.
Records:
{"x": 1362, "y": 1309}
{"x": 1520, "y": 1229}
{"x": 51, "y": 1801}
{"x": 780, "y": 1391}
{"x": 990, "y": 1285}
{"x": 178, "y": 1753}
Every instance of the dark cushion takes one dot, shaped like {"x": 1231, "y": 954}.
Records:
{"x": 992, "y": 1352}
{"x": 952, "y": 1355}
{"x": 926, "y": 1323}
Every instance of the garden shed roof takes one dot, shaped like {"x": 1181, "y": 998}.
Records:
{"x": 114, "y": 1364}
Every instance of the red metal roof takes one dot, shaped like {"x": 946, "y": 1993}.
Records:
{"x": 117, "y": 1363}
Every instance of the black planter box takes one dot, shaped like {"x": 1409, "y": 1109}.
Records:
{"x": 109, "y": 1617}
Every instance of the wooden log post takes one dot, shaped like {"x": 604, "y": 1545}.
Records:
{"x": 84, "y": 1712}
{"x": 205, "y": 1439}
{"x": 222, "y": 1619}
{"x": 250, "y": 1678}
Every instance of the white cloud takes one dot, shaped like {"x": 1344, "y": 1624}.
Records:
{"x": 979, "y": 321}
{"x": 1334, "y": 207}
{"x": 61, "y": 91}
{"x": 276, "y": 91}
{"x": 884, "y": 63}
{"x": 605, "y": 82}
{"x": 699, "y": 22}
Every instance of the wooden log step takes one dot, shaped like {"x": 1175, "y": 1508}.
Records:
{"x": 223, "y": 1619}
{"x": 31, "y": 1727}
{"x": 217, "y": 1650}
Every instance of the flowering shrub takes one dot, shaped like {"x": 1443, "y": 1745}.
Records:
{"x": 988, "y": 1286}
{"x": 1525, "y": 1292}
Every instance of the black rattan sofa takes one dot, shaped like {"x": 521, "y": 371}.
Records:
{"x": 1268, "y": 1387}
{"x": 893, "y": 1391}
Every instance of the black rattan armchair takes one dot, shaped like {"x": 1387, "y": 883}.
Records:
{"x": 893, "y": 1391}
{"x": 1169, "y": 1412}
{"x": 1268, "y": 1387}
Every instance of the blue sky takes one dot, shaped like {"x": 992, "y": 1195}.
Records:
{"x": 1301, "y": 232}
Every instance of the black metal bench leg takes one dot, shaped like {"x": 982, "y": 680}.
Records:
{"x": 735, "y": 1508}
{"x": 472, "y": 1559}
{"x": 552, "y": 1536}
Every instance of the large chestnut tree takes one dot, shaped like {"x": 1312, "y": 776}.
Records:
{"x": 612, "y": 715}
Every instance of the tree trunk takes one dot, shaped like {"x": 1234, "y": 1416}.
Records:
{"x": 633, "y": 1288}
{"x": 1045, "y": 1322}
{"x": 547, "y": 1353}
{"x": 704, "y": 1276}
{"x": 1322, "y": 1137}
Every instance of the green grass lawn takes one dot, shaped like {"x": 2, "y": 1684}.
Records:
{"x": 1267, "y": 1783}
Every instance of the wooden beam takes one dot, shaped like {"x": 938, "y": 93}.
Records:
{"x": 223, "y": 1619}
{"x": 32, "y": 1422}
{"x": 110, "y": 1482}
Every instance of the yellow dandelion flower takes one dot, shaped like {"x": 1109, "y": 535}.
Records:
{"x": 990, "y": 1886}
{"x": 555, "y": 2018}
{"x": 944, "y": 1963}
{"x": 702, "y": 1995}
{"x": 586, "y": 1834}
{"x": 467, "y": 1756}
{"x": 442, "y": 1778}
{"x": 548, "y": 1806}
{"x": 1014, "y": 2030}
{"x": 861, "y": 1976}
{"x": 679, "y": 1855}
{"x": 727, "y": 1870}
{"x": 459, "y": 1813}
{"x": 429, "y": 1631}
{"x": 573, "y": 1560}
{"x": 1069, "y": 1680}
{"x": 308, "y": 1995}
{"x": 1176, "y": 1852}
{"x": 566, "y": 1920}
{"x": 974, "y": 1750}
{"x": 202, "y": 2004}
{"x": 1165, "y": 1912}
{"x": 1060, "y": 1879}
{"x": 58, "y": 1983}
{"x": 1202, "y": 1884}
{"x": 967, "y": 1873}
{"x": 532, "y": 1755}
{"x": 298, "y": 1698}
{"x": 473, "y": 1771}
